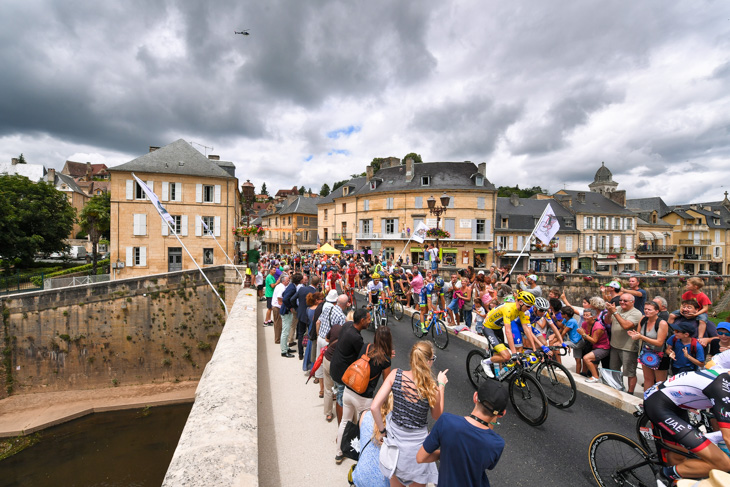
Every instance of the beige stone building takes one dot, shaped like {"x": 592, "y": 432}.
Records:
{"x": 378, "y": 212}
{"x": 292, "y": 226}
{"x": 195, "y": 190}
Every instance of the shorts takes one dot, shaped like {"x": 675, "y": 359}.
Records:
{"x": 434, "y": 265}
{"x": 423, "y": 300}
{"x": 600, "y": 354}
{"x": 495, "y": 338}
{"x": 373, "y": 299}
{"x": 268, "y": 303}
{"x": 254, "y": 266}
{"x": 624, "y": 360}
{"x": 576, "y": 346}
{"x": 259, "y": 287}
{"x": 672, "y": 422}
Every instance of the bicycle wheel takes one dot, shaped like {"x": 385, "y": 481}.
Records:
{"x": 474, "y": 369}
{"x": 558, "y": 384}
{"x": 416, "y": 324}
{"x": 353, "y": 299}
{"x": 383, "y": 317}
{"x": 618, "y": 461}
{"x": 528, "y": 398}
{"x": 645, "y": 433}
{"x": 439, "y": 334}
{"x": 397, "y": 310}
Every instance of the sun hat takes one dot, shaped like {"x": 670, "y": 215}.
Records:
{"x": 493, "y": 395}
{"x": 332, "y": 296}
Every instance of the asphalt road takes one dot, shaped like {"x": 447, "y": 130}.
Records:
{"x": 552, "y": 454}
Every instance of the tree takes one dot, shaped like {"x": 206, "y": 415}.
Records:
{"x": 264, "y": 190}
{"x": 337, "y": 184}
{"x": 36, "y": 218}
{"x": 325, "y": 190}
{"x": 416, "y": 157}
{"x": 361, "y": 175}
{"x": 302, "y": 190}
{"x": 506, "y": 191}
{"x": 376, "y": 162}
{"x": 309, "y": 191}
{"x": 21, "y": 159}
{"x": 95, "y": 219}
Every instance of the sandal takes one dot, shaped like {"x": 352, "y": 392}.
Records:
{"x": 316, "y": 381}
{"x": 321, "y": 394}
{"x": 329, "y": 418}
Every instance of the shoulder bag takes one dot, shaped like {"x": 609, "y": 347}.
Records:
{"x": 357, "y": 375}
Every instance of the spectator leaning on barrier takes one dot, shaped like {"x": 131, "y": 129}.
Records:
{"x": 686, "y": 352}
{"x": 638, "y": 293}
{"x": 624, "y": 350}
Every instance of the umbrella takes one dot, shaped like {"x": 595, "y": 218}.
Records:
{"x": 316, "y": 364}
{"x": 327, "y": 249}
{"x": 307, "y": 363}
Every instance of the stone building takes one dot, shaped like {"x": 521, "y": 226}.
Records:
{"x": 292, "y": 226}
{"x": 194, "y": 189}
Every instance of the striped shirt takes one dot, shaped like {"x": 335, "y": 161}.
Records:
{"x": 410, "y": 410}
{"x": 331, "y": 315}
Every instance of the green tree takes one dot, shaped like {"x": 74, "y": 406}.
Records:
{"x": 95, "y": 219}
{"x": 36, "y": 218}
{"x": 302, "y": 190}
{"x": 505, "y": 191}
{"x": 337, "y": 184}
{"x": 376, "y": 162}
{"x": 416, "y": 157}
{"x": 264, "y": 190}
{"x": 21, "y": 159}
{"x": 325, "y": 190}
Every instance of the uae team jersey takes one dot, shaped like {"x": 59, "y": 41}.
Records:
{"x": 702, "y": 389}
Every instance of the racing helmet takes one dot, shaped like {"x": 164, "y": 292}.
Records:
{"x": 541, "y": 303}
{"x": 439, "y": 282}
{"x": 375, "y": 275}
{"x": 527, "y": 298}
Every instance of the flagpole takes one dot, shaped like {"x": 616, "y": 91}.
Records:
{"x": 227, "y": 257}
{"x": 404, "y": 248}
{"x": 528, "y": 239}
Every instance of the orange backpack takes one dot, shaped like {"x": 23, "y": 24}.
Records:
{"x": 357, "y": 375}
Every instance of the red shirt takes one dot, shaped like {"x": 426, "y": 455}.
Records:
{"x": 351, "y": 274}
{"x": 701, "y": 298}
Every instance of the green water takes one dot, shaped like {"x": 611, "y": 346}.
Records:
{"x": 117, "y": 449}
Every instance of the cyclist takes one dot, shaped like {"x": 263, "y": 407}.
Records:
{"x": 498, "y": 334}
{"x": 353, "y": 276}
{"x": 374, "y": 287}
{"x": 532, "y": 336}
{"x": 426, "y": 302}
{"x": 666, "y": 405}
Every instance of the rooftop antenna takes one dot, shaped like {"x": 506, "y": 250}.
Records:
{"x": 206, "y": 147}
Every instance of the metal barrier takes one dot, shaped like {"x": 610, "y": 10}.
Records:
{"x": 21, "y": 283}
{"x": 74, "y": 281}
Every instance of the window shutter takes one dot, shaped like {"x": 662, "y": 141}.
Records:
{"x": 510, "y": 245}
{"x": 130, "y": 189}
{"x": 480, "y": 202}
{"x": 382, "y": 226}
{"x": 184, "y": 225}
{"x": 151, "y": 185}
{"x": 135, "y": 224}
{"x": 629, "y": 242}
{"x": 360, "y": 225}
{"x": 165, "y": 228}
{"x": 217, "y": 224}
{"x": 520, "y": 242}
{"x": 217, "y": 195}
{"x": 585, "y": 222}
{"x": 198, "y": 226}
{"x": 366, "y": 205}
{"x": 178, "y": 191}
{"x": 488, "y": 229}
{"x": 396, "y": 226}
{"x": 165, "y": 190}
{"x": 419, "y": 202}
{"x": 474, "y": 229}
{"x": 143, "y": 256}
{"x": 198, "y": 193}
{"x": 130, "y": 257}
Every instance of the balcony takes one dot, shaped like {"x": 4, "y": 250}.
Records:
{"x": 345, "y": 235}
{"x": 695, "y": 257}
{"x": 656, "y": 249}
{"x": 695, "y": 228}
{"x": 694, "y": 243}
{"x": 609, "y": 250}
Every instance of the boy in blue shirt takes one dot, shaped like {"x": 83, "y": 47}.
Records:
{"x": 686, "y": 352}
{"x": 571, "y": 337}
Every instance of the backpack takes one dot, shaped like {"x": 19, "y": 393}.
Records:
{"x": 357, "y": 375}
{"x": 692, "y": 347}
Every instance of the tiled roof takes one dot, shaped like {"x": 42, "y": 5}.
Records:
{"x": 595, "y": 203}
{"x": 78, "y": 169}
{"x": 522, "y": 217}
{"x": 301, "y": 205}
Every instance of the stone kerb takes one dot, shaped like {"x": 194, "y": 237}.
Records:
{"x": 219, "y": 444}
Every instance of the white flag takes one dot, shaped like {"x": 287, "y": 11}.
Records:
{"x": 155, "y": 201}
{"x": 548, "y": 226}
{"x": 419, "y": 234}
{"x": 205, "y": 227}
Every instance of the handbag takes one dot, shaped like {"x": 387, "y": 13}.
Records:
{"x": 357, "y": 375}
{"x": 651, "y": 358}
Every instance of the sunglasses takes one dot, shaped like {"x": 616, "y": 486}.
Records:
{"x": 624, "y": 301}
{"x": 724, "y": 333}
{"x": 432, "y": 359}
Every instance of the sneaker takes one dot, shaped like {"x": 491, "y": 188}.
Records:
{"x": 339, "y": 458}
{"x": 592, "y": 380}
{"x": 487, "y": 368}
{"x": 423, "y": 328}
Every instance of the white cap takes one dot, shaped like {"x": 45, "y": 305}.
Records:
{"x": 332, "y": 296}
{"x": 532, "y": 277}
{"x": 480, "y": 273}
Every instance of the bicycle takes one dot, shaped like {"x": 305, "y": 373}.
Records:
{"x": 555, "y": 379}
{"x": 394, "y": 306}
{"x": 351, "y": 300}
{"x": 378, "y": 313}
{"x": 525, "y": 392}
{"x": 439, "y": 332}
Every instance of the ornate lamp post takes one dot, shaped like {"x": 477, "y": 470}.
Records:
{"x": 438, "y": 211}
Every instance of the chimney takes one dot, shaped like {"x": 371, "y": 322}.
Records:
{"x": 514, "y": 199}
{"x": 14, "y": 161}
{"x": 618, "y": 197}
{"x": 88, "y": 171}
{"x": 153, "y": 148}
{"x": 409, "y": 169}
{"x": 369, "y": 173}
{"x": 581, "y": 197}
{"x": 51, "y": 176}
{"x": 214, "y": 157}
{"x": 482, "y": 169}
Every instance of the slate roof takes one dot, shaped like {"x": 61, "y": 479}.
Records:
{"x": 648, "y": 205}
{"x": 522, "y": 217}
{"x": 710, "y": 216}
{"x": 68, "y": 181}
{"x": 354, "y": 184}
{"x": 595, "y": 203}
{"x": 34, "y": 172}
{"x": 167, "y": 160}
{"x": 300, "y": 205}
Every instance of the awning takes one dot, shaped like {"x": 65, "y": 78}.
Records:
{"x": 481, "y": 251}
{"x": 627, "y": 261}
{"x": 646, "y": 235}
{"x": 515, "y": 254}
{"x": 658, "y": 235}
{"x": 416, "y": 249}
{"x": 606, "y": 261}
{"x": 449, "y": 251}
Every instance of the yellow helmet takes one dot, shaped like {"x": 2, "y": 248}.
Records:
{"x": 527, "y": 298}
{"x": 375, "y": 275}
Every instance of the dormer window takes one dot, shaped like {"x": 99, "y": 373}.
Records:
{"x": 480, "y": 180}
{"x": 425, "y": 180}
{"x": 569, "y": 222}
{"x": 345, "y": 190}
{"x": 373, "y": 185}
{"x": 505, "y": 222}
{"x": 716, "y": 221}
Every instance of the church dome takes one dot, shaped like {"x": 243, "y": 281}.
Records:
{"x": 603, "y": 174}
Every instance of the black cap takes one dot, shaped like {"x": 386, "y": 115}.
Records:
{"x": 493, "y": 395}
{"x": 684, "y": 327}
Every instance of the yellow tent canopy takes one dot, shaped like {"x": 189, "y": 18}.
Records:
{"x": 327, "y": 249}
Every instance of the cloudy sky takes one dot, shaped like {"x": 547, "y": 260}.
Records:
{"x": 541, "y": 91}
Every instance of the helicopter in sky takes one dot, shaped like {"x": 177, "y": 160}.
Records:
{"x": 244, "y": 32}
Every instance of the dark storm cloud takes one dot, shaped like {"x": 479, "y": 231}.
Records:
{"x": 468, "y": 128}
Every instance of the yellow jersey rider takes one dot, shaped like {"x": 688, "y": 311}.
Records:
{"x": 495, "y": 330}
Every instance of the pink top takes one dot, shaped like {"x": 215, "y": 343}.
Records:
{"x": 603, "y": 342}
{"x": 417, "y": 283}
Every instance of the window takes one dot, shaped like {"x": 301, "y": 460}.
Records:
{"x": 366, "y": 205}
{"x": 177, "y": 223}
{"x": 343, "y": 229}
{"x": 629, "y": 223}
{"x": 207, "y": 256}
{"x": 140, "y": 224}
{"x": 325, "y": 214}
{"x": 373, "y": 185}
{"x": 617, "y": 223}
{"x": 480, "y": 180}
{"x": 305, "y": 220}
{"x": 679, "y": 222}
{"x": 136, "y": 256}
{"x": 209, "y": 221}
{"x": 289, "y": 222}
{"x": 277, "y": 221}
{"x": 587, "y": 222}
{"x": 502, "y": 243}
{"x": 505, "y": 222}
{"x": 390, "y": 225}
{"x": 425, "y": 180}
{"x": 481, "y": 229}
{"x": 171, "y": 191}
{"x": 602, "y": 223}
{"x": 718, "y": 252}
{"x": 716, "y": 221}
{"x": 388, "y": 252}
{"x": 139, "y": 192}
{"x": 388, "y": 203}
{"x": 569, "y": 222}
{"x": 344, "y": 207}
{"x": 568, "y": 244}
{"x": 208, "y": 193}
{"x": 629, "y": 242}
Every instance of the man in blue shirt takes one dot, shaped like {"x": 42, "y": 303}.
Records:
{"x": 467, "y": 446}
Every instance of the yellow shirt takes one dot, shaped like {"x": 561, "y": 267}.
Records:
{"x": 505, "y": 314}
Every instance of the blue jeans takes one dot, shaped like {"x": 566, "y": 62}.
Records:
{"x": 340, "y": 391}
{"x": 467, "y": 317}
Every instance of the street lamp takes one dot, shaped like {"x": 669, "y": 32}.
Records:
{"x": 438, "y": 211}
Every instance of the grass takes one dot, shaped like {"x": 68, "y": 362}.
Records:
{"x": 723, "y": 316}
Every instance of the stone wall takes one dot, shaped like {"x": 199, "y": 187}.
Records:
{"x": 140, "y": 330}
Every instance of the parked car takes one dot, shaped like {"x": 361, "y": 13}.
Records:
{"x": 629, "y": 273}
{"x": 677, "y": 273}
{"x": 655, "y": 273}
{"x": 586, "y": 272}
{"x": 707, "y": 273}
